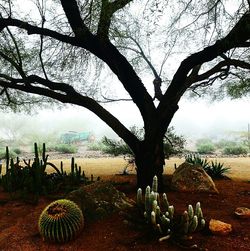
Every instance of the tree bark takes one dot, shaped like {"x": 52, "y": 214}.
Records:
{"x": 149, "y": 161}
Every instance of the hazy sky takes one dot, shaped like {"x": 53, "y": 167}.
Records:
{"x": 195, "y": 118}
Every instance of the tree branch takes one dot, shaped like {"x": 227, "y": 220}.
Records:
{"x": 73, "y": 15}
{"x": 236, "y": 37}
{"x": 32, "y": 29}
{"x": 107, "y": 11}
{"x": 72, "y": 97}
{"x": 105, "y": 51}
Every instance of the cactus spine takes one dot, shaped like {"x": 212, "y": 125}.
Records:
{"x": 60, "y": 221}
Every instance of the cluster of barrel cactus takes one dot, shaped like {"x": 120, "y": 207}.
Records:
{"x": 60, "y": 221}
{"x": 160, "y": 215}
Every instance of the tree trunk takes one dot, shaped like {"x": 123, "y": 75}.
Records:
{"x": 149, "y": 161}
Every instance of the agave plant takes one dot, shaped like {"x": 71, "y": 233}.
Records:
{"x": 195, "y": 159}
{"x": 217, "y": 169}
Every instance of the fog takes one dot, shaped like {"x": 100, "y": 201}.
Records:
{"x": 194, "y": 119}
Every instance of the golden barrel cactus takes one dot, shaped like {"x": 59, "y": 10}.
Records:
{"x": 60, "y": 221}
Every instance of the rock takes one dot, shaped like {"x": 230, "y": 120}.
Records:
{"x": 219, "y": 228}
{"x": 242, "y": 212}
{"x": 99, "y": 199}
{"x": 192, "y": 178}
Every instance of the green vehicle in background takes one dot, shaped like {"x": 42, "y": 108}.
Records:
{"x": 77, "y": 137}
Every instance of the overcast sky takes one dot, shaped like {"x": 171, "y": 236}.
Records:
{"x": 195, "y": 118}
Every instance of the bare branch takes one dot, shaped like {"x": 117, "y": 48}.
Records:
{"x": 13, "y": 63}
{"x": 109, "y": 100}
{"x": 41, "y": 10}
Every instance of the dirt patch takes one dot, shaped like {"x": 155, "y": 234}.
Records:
{"x": 18, "y": 222}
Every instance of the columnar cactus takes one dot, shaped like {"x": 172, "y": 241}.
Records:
{"x": 60, "y": 221}
{"x": 192, "y": 220}
{"x": 163, "y": 221}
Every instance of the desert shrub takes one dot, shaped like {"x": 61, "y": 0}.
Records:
{"x": 235, "y": 150}
{"x": 173, "y": 143}
{"x": 66, "y": 148}
{"x": 206, "y": 148}
{"x": 224, "y": 143}
{"x": 12, "y": 154}
{"x": 17, "y": 151}
{"x": 96, "y": 146}
{"x": 116, "y": 147}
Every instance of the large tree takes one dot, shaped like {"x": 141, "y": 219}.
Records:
{"x": 51, "y": 49}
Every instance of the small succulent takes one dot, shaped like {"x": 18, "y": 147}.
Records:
{"x": 60, "y": 221}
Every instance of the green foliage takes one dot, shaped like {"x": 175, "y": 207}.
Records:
{"x": 205, "y": 146}
{"x": 214, "y": 169}
{"x": 173, "y": 144}
{"x": 66, "y": 148}
{"x": 160, "y": 216}
{"x": 60, "y": 221}
{"x": 96, "y": 146}
{"x": 32, "y": 178}
{"x": 217, "y": 170}
{"x": 12, "y": 154}
{"x": 17, "y": 151}
{"x": 195, "y": 159}
{"x": 235, "y": 150}
{"x": 238, "y": 89}
{"x": 116, "y": 147}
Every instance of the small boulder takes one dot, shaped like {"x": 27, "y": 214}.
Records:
{"x": 192, "y": 178}
{"x": 99, "y": 199}
{"x": 242, "y": 212}
{"x": 219, "y": 227}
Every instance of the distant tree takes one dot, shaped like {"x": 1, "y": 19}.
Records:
{"x": 236, "y": 149}
{"x": 55, "y": 50}
{"x": 205, "y": 146}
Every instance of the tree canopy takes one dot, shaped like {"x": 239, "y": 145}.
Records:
{"x": 79, "y": 52}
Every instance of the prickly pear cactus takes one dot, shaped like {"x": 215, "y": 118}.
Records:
{"x": 60, "y": 221}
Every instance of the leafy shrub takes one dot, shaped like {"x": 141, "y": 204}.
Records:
{"x": 172, "y": 143}
{"x": 17, "y": 151}
{"x": 235, "y": 150}
{"x": 206, "y": 148}
{"x": 66, "y": 148}
{"x": 96, "y": 146}
{"x": 116, "y": 147}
